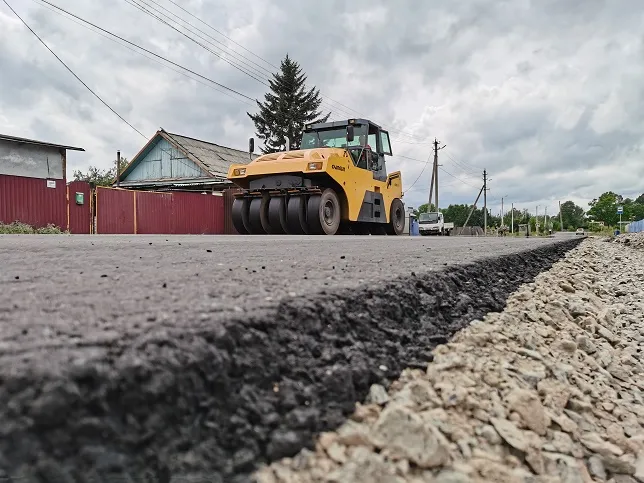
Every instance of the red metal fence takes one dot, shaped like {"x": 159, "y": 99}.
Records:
{"x": 79, "y": 208}
{"x": 120, "y": 211}
{"x": 194, "y": 213}
{"x": 154, "y": 212}
{"x": 35, "y": 201}
{"x": 115, "y": 211}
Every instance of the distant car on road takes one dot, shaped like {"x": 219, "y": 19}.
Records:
{"x": 580, "y": 231}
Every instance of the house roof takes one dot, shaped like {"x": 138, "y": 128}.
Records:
{"x": 6, "y": 137}
{"x": 212, "y": 158}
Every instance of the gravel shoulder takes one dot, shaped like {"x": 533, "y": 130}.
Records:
{"x": 551, "y": 389}
{"x": 121, "y": 378}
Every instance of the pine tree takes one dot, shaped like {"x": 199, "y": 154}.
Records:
{"x": 287, "y": 108}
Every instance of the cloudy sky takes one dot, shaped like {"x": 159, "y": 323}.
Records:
{"x": 546, "y": 95}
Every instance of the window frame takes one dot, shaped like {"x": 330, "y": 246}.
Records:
{"x": 384, "y": 134}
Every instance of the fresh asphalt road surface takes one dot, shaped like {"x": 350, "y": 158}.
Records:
{"x": 92, "y": 289}
{"x": 202, "y": 356}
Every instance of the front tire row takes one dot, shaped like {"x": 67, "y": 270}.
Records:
{"x": 317, "y": 214}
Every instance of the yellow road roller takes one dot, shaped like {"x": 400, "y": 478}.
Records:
{"x": 336, "y": 183}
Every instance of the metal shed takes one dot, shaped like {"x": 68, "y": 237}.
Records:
{"x": 33, "y": 181}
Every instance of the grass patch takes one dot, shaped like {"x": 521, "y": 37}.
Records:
{"x": 18, "y": 228}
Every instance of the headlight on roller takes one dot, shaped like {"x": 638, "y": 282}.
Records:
{"x": 239, "y": 172}
{"x": 314, "y": 166}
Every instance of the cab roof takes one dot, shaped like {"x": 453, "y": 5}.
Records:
{"x": 328, "y": 125}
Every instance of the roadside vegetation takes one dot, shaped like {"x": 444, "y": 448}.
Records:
{"x": 601, "y": 218}
{"x": 18, "y": 228}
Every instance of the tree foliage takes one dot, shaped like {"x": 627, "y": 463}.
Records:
{"x": 604, "y": 208}
{"x": 425, "y": 208}
{"x": 287, "y": 108}
{"x": 572, "y": 216}
{"x": 101, "y": 177}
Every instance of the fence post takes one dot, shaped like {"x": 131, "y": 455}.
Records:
{"x": 135, "y": 222}
{"x": 67, "y": 197}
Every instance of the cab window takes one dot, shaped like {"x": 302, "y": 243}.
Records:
{"x": 386, "y": 146}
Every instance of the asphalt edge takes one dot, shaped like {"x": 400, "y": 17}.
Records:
{"x": 150, "y": 415}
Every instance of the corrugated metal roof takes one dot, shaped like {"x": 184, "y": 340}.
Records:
{"x": 217, "y": 159}
{"x": 6, "y": 137}
{"x": 176, "y": 182}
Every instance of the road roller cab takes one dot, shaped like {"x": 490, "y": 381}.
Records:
{"x": 337, "y": 182}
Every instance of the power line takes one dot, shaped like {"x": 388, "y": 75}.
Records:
{"x": 421, "y": 173}
{"x": 147, "y": 12}
{"x": 148, "y": 51}
{"x": 220, "y": 33}
{"x": 442, "y": 169}
{"x": 167, "y": 60}
{"x": 72, "y": 72}
{"x": 460, "y": 165}
{"x": 253, "y": 75}
{"x": 455, "y": 177}
{"x": 467, "y": 174}
{"x": 328, "y": 105}
{"x": 210, "y": 86}
{"x": 465, "y": 164}
{"x": 208, "y": 35}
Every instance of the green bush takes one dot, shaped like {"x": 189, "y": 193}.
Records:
{"x": 18, "y": 228}
{"x": 49, "y": 230}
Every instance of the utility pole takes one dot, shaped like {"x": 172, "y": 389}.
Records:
{"x": 545, "y": 218}
{"x": 435, "y": 173}
{"x": 560, "y": 218}
{"x": 502, "y": 212}
{"x": 536, "y": 220}
{"x": 431, "y": 188}
{"x": 118, "y": 174}
{"x": 484, "y": 202}
{"x": 512, "y": 218}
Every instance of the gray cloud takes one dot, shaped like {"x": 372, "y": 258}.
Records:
{"x": 545, "y": 95}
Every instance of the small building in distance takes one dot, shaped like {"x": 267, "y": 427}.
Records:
{"x": 33, "y": 180}
{"x": 172, "y": 162}
{"x": 28, "y": 158}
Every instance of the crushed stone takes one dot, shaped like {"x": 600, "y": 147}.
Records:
{"x": 633, "y": 240}
{"x": 549, "y": 390}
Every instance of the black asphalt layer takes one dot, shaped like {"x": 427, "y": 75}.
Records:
{"x": 157, "y": 358}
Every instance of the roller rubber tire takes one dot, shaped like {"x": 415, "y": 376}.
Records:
{"x": 239, "y": 212}
{"x": 396, "y": 224}
{"x": 263, "y": 215}
{"x": 324, "y": 213}
{"x": 255, "y": 216}
{"x": 296, "y": 216}
{"x": 277, "y": 214}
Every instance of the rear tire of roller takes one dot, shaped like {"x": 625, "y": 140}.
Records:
{"x": 239, "y": 213}
{"x": 296, "y": 216}
{"x": 255, "y": 216}
{"x": 277, "y": 215}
